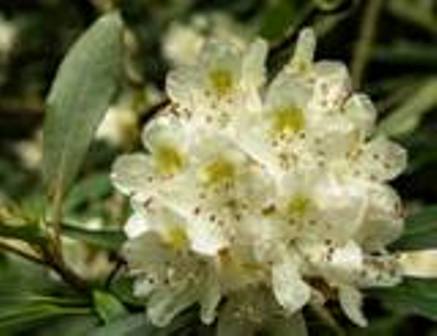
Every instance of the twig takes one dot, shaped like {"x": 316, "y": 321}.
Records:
{"x": 48, "y": 261}
{"x": 118, "y": 266}
{"x": 53, "y": 254}
{"x": 366, "y": 38}
{"x": 64, "y": 272}
{"x": 56, "y": 224}
{"x": 153, "y": 110}
{"x": 12, "y": 249}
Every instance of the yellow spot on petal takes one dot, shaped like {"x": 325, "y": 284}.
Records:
{"x": 176, "y": 237}
{"x": 221, "y": 81}
{"x": 218, "y": 171}
{"x": 169, "y": 160}
{"x": 298, "y": 206}
{"x": 287, "y": 120}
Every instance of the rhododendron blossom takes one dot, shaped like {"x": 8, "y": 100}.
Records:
{"x": 255, "y": 197}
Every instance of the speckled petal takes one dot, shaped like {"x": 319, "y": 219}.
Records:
{"x": 383, "y": 221}
{"x": 382, "y": 160}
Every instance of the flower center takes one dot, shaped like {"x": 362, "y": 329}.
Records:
{"x": 168, "y": 159}
{"x": 287, "y": 120}
{"x": 217, "y": 171}
{"x": 221, "y": 81}
{"x": 298, "y": 206}
{"x": 176, "y": 237}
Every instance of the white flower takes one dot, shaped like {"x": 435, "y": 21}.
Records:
{"x": 220, "y": 86}
{"x": 260, "y": 192}
{"x": 8, "y": 36}
{"x": 118, "y": 123}
{"x": 182, "y": 44}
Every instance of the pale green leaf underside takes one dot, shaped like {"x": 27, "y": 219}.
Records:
{"x": 84, "y": 87}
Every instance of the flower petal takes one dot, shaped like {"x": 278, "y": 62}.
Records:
{"x": 381, "y": 160}
{"x": 167, "y": 303}
{"x": 361, "y": 111}
{"x": 291, "y": 292}
{"x": 133, "y": 174}
{"x": 136, "y": 226}
{"x": 332, "y": 86}
{"x": 351, "y": 302}
{"x": 210, "y": 299}
{"x": 253, "y": 68}
{"x": 183, "y": 86}
{"x": 304, "y": 52}
{"x": 383, "y": 222}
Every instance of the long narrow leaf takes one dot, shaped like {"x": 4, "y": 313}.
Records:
{"x": 84, "y": 87}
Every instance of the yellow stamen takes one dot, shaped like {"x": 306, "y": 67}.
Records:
{"x": 218, "y": 171}
{"x": 299, "y": 206}
{"x": 176, "y": 237}
{"x": 288, "y": 120}
{"x": 168, "y": 159}
{"x": 221, "y": 81}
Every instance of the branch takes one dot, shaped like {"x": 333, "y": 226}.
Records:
{"x": 64, "y": 272}
{"x": 28, "y": 256}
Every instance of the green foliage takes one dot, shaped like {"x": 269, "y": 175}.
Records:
{"x": 31, "y": 233}
{"x": 420, "y": 231}
{"x": 131, "y": 325}
{"x": 29, "y": 294}
{"x": 90, "y": 189}
{"x": 413, "y": 296}
{"x": 328, "y": 5}
{"x": 107, "y": 306}
{"x": 406, "y": 118}
{"x": 85, "y": 85}
{"x": 110, "y": 239}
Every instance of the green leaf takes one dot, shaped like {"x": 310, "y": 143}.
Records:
{"x": 407, "y": 117}
{"x": 30, "y": 233}
{"x": 137, "y": 324}
{"x": 122, "y": 287}
{"x": 413, "y": 296}
{"x": 277, "y": 18}
{"x": 67, "y": 325}
{"x": 27, "y": 313}
{"x": 294, "y": 325}
{"x": 85, "y": 85}
{"x": 27, "y": 297}
{"x": 92, "y": 188}
{"x": 415, "y": 12}
{"x": 125, "y": 326}
{"x": 106, "y": 239}
{"x": 420, "y": 231}
{"x": 386, "y": 326}
{"x": 107, "y": 306}
{"x": 328, "y": 5}
{"x": 406, "y": 53}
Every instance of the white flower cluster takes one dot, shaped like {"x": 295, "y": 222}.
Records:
{"x": 268, "y": 195}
